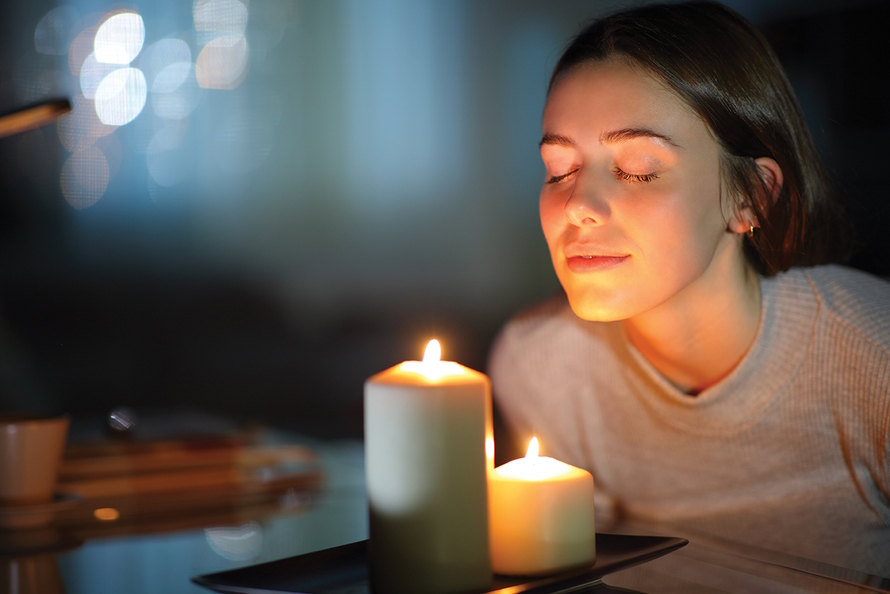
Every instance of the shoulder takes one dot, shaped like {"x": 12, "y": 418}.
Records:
{"x": 855, "y": 301}
{"x": 549, "y": 331}
{"x": 541, "y": 320}
{"x": 528, "y": 333}
{"x": 851, "y": 355}
{"x": 847, "y": 358}
{"x": 548, "y": 349}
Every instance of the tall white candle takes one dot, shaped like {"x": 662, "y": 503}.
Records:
{"x": 427, "y": 432}
{"x": 541, "y": 516}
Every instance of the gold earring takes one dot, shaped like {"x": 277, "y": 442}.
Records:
{"x": 751, "y": 230}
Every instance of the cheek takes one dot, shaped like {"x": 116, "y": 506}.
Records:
{"x": 552, "y": 212}
{"x": 682, "y": 233}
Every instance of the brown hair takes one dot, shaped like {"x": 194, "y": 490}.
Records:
{"x": 726, "y": 71}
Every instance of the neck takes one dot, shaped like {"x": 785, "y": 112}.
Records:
{"x": 700, "y": 335}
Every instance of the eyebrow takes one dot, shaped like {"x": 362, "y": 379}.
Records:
{"x": 558, "y": 140}
{"x": 631, "y": 133}
{"x": 609, "y": 137}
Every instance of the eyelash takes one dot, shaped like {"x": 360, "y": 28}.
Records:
{"x": 635, "y": 178}
{"x": 621, "y": 175}
{"x": 558, "y": 178}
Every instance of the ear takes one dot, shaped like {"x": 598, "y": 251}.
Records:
{"x": 771, "y": 175}
{"x": 772, "y": 179}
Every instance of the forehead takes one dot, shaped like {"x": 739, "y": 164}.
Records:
{"x": 598, "y": 97}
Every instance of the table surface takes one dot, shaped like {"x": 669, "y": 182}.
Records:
{"x": 163, "y": 561}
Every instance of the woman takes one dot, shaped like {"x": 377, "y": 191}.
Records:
{"x": 704, "y": 363}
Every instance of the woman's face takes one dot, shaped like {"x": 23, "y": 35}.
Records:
{"x": 631, "y": 206}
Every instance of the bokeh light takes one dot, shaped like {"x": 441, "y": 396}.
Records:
{"x": 119, "y": 40}
{"x": 220, "y": 16}
{"x": 81, "y": 47}
{"x": 183, "y": 99}
{"x": 224, "y": 59}
{"x": 171, "y": 78}
{"x": 84, "y": 177}
{"x": 167, "y": 137}
{"x": 268, "y": 21}
{"x": 80, "y": 128}
{"x": 121, "y": 96}
{"x": 92, "y": 72}
{"x": 106, "y": 514}
{"x": 53, "y": 30}
{"x": 161, "y": 55}
{"x": 223, "y": 62}
{"x": 170, "y": 75}
{"x": 118, "y": 70}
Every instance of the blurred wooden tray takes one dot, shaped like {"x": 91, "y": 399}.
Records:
{"x": 103, "y": 459}
{"x": 161, "y": 486}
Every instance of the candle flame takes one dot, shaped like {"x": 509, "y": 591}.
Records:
{"x": 532, "y": 453}
{"x": 433, "y": 351}
{"x": 433, "y": 368}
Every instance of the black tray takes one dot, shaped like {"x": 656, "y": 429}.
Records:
{"x": 344, "y": 570}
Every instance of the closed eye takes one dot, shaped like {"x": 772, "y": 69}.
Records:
{"x": 558, "y": 178}
{"x": 634, "y": 177}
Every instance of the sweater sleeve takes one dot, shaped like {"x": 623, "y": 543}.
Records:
{"x": 856, "y": 338}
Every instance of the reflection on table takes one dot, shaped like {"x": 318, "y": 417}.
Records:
{"x": 153, "y": 515}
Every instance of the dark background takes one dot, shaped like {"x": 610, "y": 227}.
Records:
{"x": 371, "y": 183}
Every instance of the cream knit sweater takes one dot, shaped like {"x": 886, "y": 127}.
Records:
{"x": 790, "y": 452}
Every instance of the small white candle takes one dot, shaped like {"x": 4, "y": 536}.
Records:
{"x": 427, "y": 430}
{"x": 541, "y": 516}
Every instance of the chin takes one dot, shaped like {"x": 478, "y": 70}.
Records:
{"x": 596, "y": 310}
{"x": 603, "y": 298}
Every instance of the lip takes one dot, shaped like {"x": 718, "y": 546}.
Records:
{"x": 582, "y": 264}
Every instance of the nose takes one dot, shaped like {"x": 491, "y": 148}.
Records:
{"x": 586, "y": 204}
